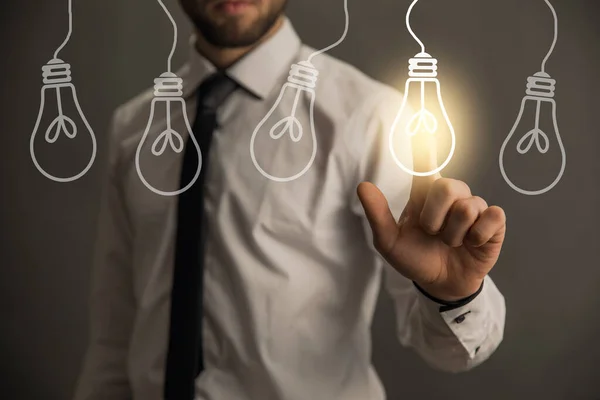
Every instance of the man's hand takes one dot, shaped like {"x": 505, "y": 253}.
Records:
{"x": 446, "y": 240}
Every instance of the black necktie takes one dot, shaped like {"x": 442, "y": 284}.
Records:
{"x": 185, "y": 356}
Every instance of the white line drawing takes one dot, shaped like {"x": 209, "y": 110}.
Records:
{"x": 422, "y": 70}
{"x": 168, "y": 90}
{"x": 56, "y": 76}
{"x": 302, "y": 78}
{"x": 540, "y": 89}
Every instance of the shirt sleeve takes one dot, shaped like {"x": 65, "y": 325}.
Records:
{"x": 112, "y": 306}
{"x": 452, "y": 339}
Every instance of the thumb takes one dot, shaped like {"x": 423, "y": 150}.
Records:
{"x": 378, "y": 213}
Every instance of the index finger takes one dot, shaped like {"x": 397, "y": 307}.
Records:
{"x": 425, "y": 164}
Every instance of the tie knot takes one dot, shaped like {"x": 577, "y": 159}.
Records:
{"x": 214, "y": 90}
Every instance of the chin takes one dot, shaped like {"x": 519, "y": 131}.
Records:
{"x": 234, "y": 28}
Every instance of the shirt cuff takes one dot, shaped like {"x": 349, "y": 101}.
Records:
{"x": 467, "y": 319}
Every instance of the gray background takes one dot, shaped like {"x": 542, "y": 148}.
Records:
{"x": 549, "y": 270}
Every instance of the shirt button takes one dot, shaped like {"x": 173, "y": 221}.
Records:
{"x": 460, "y": 319}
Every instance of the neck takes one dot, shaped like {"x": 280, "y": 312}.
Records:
{"x": 223, "y": 57}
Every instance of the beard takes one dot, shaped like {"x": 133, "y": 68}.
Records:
{"x": 229, "y": 33}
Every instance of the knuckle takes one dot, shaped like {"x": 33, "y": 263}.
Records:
{"x": 462, "y": 187}
{"x": 451, "y": 188}
{"x": 477, "y": 236}
{"x": 497, "y": 215}
{"x": 444, "y": 188}
{"x": 464, "y": 210}
{"x": 481, "y": 201}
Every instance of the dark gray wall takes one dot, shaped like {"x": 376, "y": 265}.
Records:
{"x": 549, "y": 270}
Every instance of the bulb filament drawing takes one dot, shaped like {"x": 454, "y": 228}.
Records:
{"x": 540, "y": 91}
{"x": 422, "y": 72}
{"x": 302, "y": 80}
{"x": 56, "y": 78}
{"x": 301, "y": 84}
{"x": 168, "y": 92}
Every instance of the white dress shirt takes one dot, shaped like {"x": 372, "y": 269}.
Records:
{"x": 290, "y": 274}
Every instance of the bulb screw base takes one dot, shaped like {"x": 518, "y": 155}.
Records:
{"x": 56, "y": 71}
{"x": 168, "y": 85}
{"x": 541, "y": 85}
{"x": 422, "y": 66}
{"x": 303, "y": 74}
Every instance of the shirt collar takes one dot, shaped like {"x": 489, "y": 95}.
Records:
{"x": 255, "y": 72}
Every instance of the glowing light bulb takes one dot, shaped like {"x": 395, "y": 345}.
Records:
{"x": 417, "y": 116}
{"x": 540, "y": 92}
{"x": 288, "y": 120}
{"x": 301, "y": 83}
{"x": 168, "y": 92}
{"x": 57, "y": 78}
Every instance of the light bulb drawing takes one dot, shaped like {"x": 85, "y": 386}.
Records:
{"x": 57, "y": 78}
{"x": 279, "y": 124}
{"x": 422, "y": 75}
{"x": 168, "y": 93}
{"x": 540, "y": 92}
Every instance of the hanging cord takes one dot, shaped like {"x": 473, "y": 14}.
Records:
{"x": 410, "y": 29}
{"x": 316, "y": 53}
{"x": 70, "y": 30}
{"x": 174, "y": 34}
{"x": 555, "y": 35}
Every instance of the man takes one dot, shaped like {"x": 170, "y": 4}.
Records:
{"x": 291, "y": 271}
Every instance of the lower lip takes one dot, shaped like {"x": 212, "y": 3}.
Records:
{"x": 234, "y": 7}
